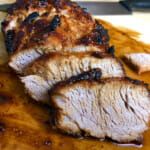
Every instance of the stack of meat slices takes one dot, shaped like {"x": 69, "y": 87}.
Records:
{"x": 62, "y": 56}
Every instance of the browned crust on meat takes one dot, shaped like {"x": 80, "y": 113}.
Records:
{"x": 133, "y": 66}
{"x": 47, "y": 21}
{"x": 78, "y": 79}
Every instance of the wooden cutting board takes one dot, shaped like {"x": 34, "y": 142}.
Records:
{"x": 24, "y": 124}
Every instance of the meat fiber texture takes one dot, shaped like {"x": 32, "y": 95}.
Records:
{"x": 32, "y": 29}
{"x": 44, "y": 73}
{"x": 116, "y": 108}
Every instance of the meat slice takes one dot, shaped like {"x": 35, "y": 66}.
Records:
{"x": 138, "y": 61}
{"x": 38, "y": 87}
{"x": 116, "y": 108}
{"x": 55, "y": 67}
{"x": 37, "y": 27}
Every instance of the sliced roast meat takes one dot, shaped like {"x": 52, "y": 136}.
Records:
{"x": 20, "y": 60}
{"x": 65, "y": 65}
{"x": 55, "y": 67}
{"x": 116, "y": 108}
{"x": 37, "y": 87}
{"x": 140, "y": 62}
{"x": 59, "y": 25}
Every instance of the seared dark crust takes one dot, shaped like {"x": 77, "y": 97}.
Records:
{"x": 98, "y": 36}
{"x": 35, "y": 28}
{"x": 93, "y": 74}
{"x": 111, "y": 50}
{"x": 133, "y": 66}
{"x": 78, "y": 79}
{"x": 9, "y": 40}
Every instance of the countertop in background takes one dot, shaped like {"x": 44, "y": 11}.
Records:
{"x": 137, "y": 21}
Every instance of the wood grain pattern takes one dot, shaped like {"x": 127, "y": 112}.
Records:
{"x": 24, "y": 124}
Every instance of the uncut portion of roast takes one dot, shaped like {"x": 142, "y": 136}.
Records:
{"x": 116, "y": 108}
{"x": 41, "y": 75}
{"x": 36, "y": 27}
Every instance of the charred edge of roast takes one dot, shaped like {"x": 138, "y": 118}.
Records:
{"x": 93, "y": 74}
{"x": 98, "y": 54}
{"x": 31, "y": 17}
{"x": 54, "y": 23}
{"x": 12, "y": 40}
{"x": 131, "y": 65}
{"x": 137, "y": 82}
{"x": 111, "y": 50}
{"x": 98, "y": 36}
{"x": 103, "y": 32}
{"x": 9, "y": 40}
{"x": 102, "y": 81}
{"x": 128, "y": 79}
{"x": 40, "y": 26}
